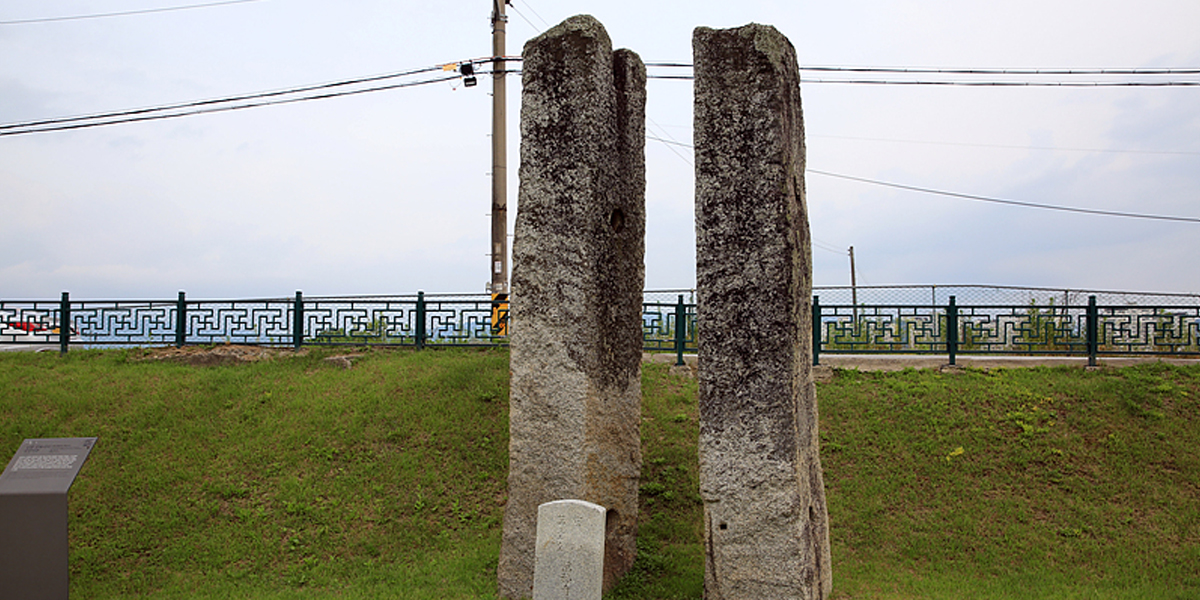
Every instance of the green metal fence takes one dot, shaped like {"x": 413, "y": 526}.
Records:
{"x": 952, "y": 329}
{"x": 1044, "y": 322}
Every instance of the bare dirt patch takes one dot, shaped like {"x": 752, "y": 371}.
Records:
{"x": 227, "y": 354}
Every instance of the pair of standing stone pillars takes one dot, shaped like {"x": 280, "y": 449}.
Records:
{"x": 578, "y": 272}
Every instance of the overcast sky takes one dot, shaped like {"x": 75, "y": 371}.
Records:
{"x": 388, "y": 192}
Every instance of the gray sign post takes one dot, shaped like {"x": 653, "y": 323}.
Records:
{"x": 33, "y": 517}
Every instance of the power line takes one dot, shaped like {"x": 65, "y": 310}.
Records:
{"x": 526, "y": 19}
{"x": 827, "y": 247}
{"x": 1016, "y": 147}
{"x": 1118, "y": 71}
{"x": 535, "y": 13}
{"x": 1060, "y": 84}
{"x": 975, "y": 71}
{"x": 912, "y": 188}
{"x": 1107, "y": 71}
{"x": 1090, "y": 211}
{"x": 671, "y": 143}
{"x": 155, "y": 117}
{"x": 124, "y": 13}
{"x": 970, "y": 83}
{"x": 170, "y": 111}
{"x": 227, "y": 99}
{"x": 213, "y": 105}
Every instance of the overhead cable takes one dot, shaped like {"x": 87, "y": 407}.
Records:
{"x": 1090, "y": 211}
{"x": 885, "y": 71}
{"x": 124, "y": 13}
{"x": 228, "y": 99}
{"x": 1060, "y": 84}
{"x": 1146, "y": 71}
{"x": 671, "y": 143}
{"x": 1011, "y": 146}
{"x": 283, "y": 96}
{"x": 975, "y": 71}
{"x": 526, "y": 19}
{"x": 238, "y": 102}
{"x": 224, "y": 108}
{"x": 535, "y": 13}
{"x": 828, "y": 247}
{"x": 913, "y": 188}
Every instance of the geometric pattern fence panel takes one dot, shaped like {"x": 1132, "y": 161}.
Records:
{"x": 1161, "y": 330}
{"x": 1022, "y": 330}
{"x": 358, "y": 322}
{"x": 460, "y": 321}
{"x": 1010, "y": 330}
{"x": 32, "y": 322}
{"x": 434, "y": 320}
{"x": 883, "y": 329}
{"x": 124, "y": 322}
{"x": 661, "y": 326}
{"x": 259, "y": 322}
{"x": 668, "y": 319}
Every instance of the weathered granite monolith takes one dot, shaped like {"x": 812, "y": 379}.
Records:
{"x": 766, "y": 528}
{"x": 576, "y": 338}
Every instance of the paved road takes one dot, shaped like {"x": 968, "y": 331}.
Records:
{"x": 28, "y": 347}
{"x": 899, "y": 362}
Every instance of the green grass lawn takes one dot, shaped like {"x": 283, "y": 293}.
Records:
{"x": 1022, "y": 483}
{"x": 294, "y": 478}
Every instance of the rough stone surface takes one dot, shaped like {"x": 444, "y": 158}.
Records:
{"x": 569, "y": 561}
{"x": 766, "y": 527}
{"x": 577, "y": 281}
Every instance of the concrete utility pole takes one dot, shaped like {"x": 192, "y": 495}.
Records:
{"x": 499, "y": 262}
{"x": 853, "y": 288}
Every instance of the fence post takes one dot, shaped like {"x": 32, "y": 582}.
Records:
{"x": 181, "y": 321}
{"x": 298, "y": 321}
{"x": 64, "y": 324}
{"x": 420, "y": 320}
{"x": 816, "y": 330}
{"x": 952, "y": 329}
{"x": 1093, "y": 330}
{"x": 680, "y": 330}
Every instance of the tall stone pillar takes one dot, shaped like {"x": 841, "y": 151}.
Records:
{"x": 765, "y": 523}
{"x": 578, "y": 271}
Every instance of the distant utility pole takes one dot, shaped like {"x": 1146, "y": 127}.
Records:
{"x": 853, "y": 287}
{"x": 499, "y": 266}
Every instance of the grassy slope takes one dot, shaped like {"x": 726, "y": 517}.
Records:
{"x": 296, "y": 479}
{"x": 1015, "y": 483}
{"x": 215, "y": 481}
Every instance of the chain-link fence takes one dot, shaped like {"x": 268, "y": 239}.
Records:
{"x": 992, "y": 295}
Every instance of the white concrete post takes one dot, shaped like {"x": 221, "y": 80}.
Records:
{"x": 569, "y": 557}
